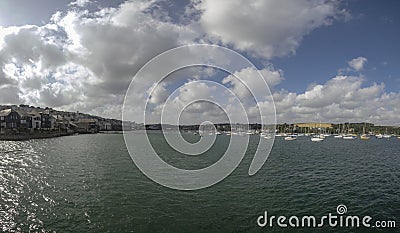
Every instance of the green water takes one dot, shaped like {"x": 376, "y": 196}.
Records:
{"x": 88, "y": 183}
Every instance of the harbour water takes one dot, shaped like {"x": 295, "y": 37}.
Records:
{"x": 88, "y": 183}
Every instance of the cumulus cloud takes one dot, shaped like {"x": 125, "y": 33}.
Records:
{"x": 80, "y": 3}
{"x": 340, "y": 99}
{"x": 190, "y": 103}
{"x": 265, "y": 28}
{"x": 246, "y": 82}
{"x": 357, "y": 63}
{"x": 81, "y": 60}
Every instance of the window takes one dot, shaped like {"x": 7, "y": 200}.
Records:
{"x": 2, "y": 118}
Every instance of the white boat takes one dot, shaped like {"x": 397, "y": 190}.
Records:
{"x": 387, "y": 136}
{"x": 349, "y": 137}
{"x": 250, "y": 132}
{"x": 379, "y": 136}
{"x": 338, "y": 136}
{"x": 240, "y": 133}
{"x": 290, "y": 138}
{"x": 365, "y": 137}
{"x": 281, "y": 135}
{"x": 316, "y": 139}
{"x": 267, "y": 137}
{"x": 265, "y": 134}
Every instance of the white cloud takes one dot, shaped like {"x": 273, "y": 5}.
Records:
{"x": 340, "y": 99}
{"x": 189, "y": 102}
{"x": 81, "y": 60}
{"x": 80, "y": 3}
{"x": 265, "y": 28}
{"x": 159, "y": 93}
{"x": 358, "y": 63}
{"x": 247, "y": 80}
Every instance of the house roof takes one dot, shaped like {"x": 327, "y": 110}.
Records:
{"x": 73, "y": 125}
{"x": 34, "y": 113}
{"x": 22, "y": 113}
{"x": 5, "y": 112}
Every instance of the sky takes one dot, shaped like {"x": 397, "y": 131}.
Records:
{"x": 334, "y": 61}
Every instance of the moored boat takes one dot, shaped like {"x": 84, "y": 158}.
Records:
{"x": 365, "y": 137}
{"x": 290, "y": 138}
{"x": 316, "y": 139}
{"x": 349, "y": 137}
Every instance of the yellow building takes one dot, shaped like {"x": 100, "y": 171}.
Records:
{"x": 314, "y": 125}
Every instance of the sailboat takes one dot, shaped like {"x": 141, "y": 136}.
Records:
{"x": 349, "y": 137}
{"x": 364, "y": 136}
{"x": 386, "y": 135}
{"x": 290, "y": 138}
{"x": 316, "y": 139}
{"x": 319, "y": 137}
{"x": 265, "y": 133}
{"x": 339, "y": 133}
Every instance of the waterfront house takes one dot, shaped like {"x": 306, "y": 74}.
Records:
{"x": 36, "y": 119}
{"x": 61, "y": 123}
{"x": 9, "y": 120}
{"x": 87, "y": 125}
{"x": 47, "y": 122}
{"x": 105, "y": 125}
{"x": 26, "y": 119}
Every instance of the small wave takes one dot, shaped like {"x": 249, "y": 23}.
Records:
{"x": 12, "y": 151}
